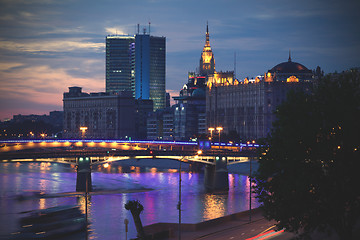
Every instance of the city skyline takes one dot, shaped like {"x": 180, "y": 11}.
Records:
{"x": 48, "y": 46}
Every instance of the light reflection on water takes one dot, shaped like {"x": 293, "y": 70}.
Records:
{"x": 113, "y": 187}
{"x": 214, "y": 206}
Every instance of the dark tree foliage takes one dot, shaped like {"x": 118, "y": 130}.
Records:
{"x": 308, "y": 176}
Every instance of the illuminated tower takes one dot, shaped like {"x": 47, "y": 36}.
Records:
{"x": 207, "y": 60}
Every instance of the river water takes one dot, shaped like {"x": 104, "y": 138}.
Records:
{"x": 154, "y": 184}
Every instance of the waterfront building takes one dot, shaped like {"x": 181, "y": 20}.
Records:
{"x": 152, "y": 127}
{"x": 137, "y": 64}
{"x": 186, "y": 118}
{"x": 55, "y": 118}
{"x": 143, "y": 107}
{"x": 105, "y": 115}
{"x": 247, "y": 107}
{"x": 189, "y": 110}
{"x": 160, "y": 124}
{"x": 32, "y": 126}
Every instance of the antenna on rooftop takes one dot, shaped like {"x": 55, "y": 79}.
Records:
{"x": 149, "y": 27}
{"x": 138, "y": 28}
{"x": 234, "y": 64}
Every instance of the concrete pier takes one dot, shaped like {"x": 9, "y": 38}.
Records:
{"x": 83, "y": 179}
{"x": 216, "y": 176}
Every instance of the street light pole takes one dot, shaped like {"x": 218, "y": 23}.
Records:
{"x": 86, "y": 210}
{"x": 250, "y": 192}
{"x": 211, "y": 129}
{"x": 219, "y": 129}
{"x": 83, "y": 130}
{"x": 179, "y": 204}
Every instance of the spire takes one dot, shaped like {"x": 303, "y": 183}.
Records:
{"x": 289, "y": 60}
{"x": 207, "y": 61}
{"x": 207, "y": 35}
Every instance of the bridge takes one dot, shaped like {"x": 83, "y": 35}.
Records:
{"x": 87, "y": 153}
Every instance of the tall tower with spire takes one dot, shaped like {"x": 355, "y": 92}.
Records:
{"x": 207, "y": 60}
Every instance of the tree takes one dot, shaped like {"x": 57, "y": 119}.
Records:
{"x": 136, "y": 208}
{"x": 309, "y": 168}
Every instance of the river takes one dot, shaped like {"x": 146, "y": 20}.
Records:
{"x": 155, "y": 183}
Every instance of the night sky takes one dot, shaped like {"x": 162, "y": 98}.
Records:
{"x": 47, "y": 46}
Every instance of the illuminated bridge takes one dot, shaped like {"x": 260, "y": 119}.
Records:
{"x": 84, "y": 153}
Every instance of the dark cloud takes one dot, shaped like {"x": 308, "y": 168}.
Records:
{"x": 48, "y": 45}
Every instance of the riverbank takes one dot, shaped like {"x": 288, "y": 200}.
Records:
{"x": 240, "y": 221}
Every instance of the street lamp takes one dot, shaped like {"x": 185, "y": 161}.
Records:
{"x": 219, "y": 129}
{"x": 211, "y": 129}
{"x": 83, "y": 130}
{"x": 250, "y": 191}
{"x": 179, "y": 203}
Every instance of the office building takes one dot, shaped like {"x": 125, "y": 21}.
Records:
{"x": 160, "y": 124}
{"x": 120, "y": 63}
{"x": 150, "y": 54}
{"x": 143, "y": 107}
{"x": 137, "y": 64}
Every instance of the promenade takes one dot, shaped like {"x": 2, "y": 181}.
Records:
{"x": 235, "y": 226}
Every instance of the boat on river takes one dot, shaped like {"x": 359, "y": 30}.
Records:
{"x": 51, "y": 223}
{"x": 51, "y": 214}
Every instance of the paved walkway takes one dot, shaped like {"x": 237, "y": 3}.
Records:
{"x": 232, "y": 227}
{"x": 237, "y": 229}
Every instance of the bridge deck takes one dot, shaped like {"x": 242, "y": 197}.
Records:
{"x": 102, "y": 156}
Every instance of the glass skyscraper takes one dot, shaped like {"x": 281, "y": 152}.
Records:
{"x": 137, "y": 64}
{"x": 120, "y": 63}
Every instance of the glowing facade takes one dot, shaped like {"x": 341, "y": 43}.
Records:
{"x": 289, "y": 71}
{"x": 207, "y": 60}
{"x": 247, "y": 107}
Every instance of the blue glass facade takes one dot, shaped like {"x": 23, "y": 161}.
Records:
{"x": 150, "y": 56}
{"x": 142, "y": 66}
